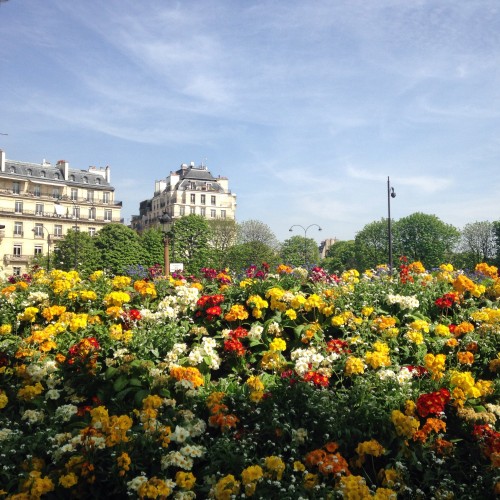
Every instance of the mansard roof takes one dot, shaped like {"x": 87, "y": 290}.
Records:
{"x": 40, "y": 172}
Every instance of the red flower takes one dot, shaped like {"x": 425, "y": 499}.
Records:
{"x": 338, "y": 346}
{"x": 433, "y": 403}
{"x": 235, "y": 346}
{"x": 317, "y": 379}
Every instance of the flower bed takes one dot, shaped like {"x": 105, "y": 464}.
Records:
{"x": 287, "y": 385}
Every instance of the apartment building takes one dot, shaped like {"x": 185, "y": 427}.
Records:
{"x": 189, "y": 190}
{"x": 40, "y": 202}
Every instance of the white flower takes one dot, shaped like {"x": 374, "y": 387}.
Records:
{"x": 180, "y": 434}
{"x": 33, "y": 416}
{"x": 136, "y": 483}
{"x": 52, "y": 394}
{"x": 65, "y": 412}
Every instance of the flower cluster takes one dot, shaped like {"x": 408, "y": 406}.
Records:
{"x": 287, "y": 383}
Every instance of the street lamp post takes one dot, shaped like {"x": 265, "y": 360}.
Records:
{"x": 48, "y": 244}
{"x": 390, "y": 194}
{"x": 166, "y": 219}
{"x": 305, "y": 229}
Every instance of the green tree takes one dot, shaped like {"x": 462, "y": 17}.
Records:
{"x": 425, "y": 238}
{"x": 371, "y": 245}
{"x": 300, "y": 251}
{"x": 151, "y": 241}
{"x": 341, "y": 256}
{"x": 189, "y": 243}
{"x": 223, "y": 233}
{"x": 496, "y": 236}
{"x": 251, "y": 231}
{"x": 477, "y": 242}
{"x": 119, "y": 247}
{"x": 252, "y": 253}
{"x": 76, "y": 250}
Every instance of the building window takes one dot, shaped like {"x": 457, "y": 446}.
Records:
{"x": 181, "y": 211}
{"x": 39, "y": 209}
{"x": 92, "y": 213}
{"x": 12, "y": 170}
{"x": 90, "y": 195}
{"x": 18, "y": 228}
{"x": 105, "y": 197}
{"x": 55, "y": 193}
{"x": 38, "y": 230}
{"x": 91, "y": 231}
{"x": 16, "y": 271}
{"x": 38, "y": 250}
{"x": 202, "y": 211}
{"x": 212, "y": 200}
{"x": 74, "y": 194}
{"x": 222, "y": 214}
{"x": 203, "y": 199}
{"x": 18, "y": 250}
{"x": 19, "y": 207}
{"x": 192, "y": 210}
{"x": 85, "y": 180}
{"x": 72, "y": 178}
{"x": 212, "y": 214}
{"x": 108, "y": 215}
{"x": 36, "y": 190}
{"x": 58, "y": 230}
{"x": 29, "y": 172}
{"x": 56, "y": 175}
{"x": 16, "y": 187}
{"x": 76, "y": 212}
{"x": 97, "y": 181}
{"x": 193, "y": 198}
{"x": 42, "y": 173}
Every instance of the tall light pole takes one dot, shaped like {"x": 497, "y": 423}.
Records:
{"x": 48, "y": 244}
{"x": 305, "y": 229}
{"x": 390, "y": 194}
{"x": 165, "y": 219}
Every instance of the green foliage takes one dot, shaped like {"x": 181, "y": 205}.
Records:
{"x": 223, "y": 234}
{"x": 371, "y": 245}
{"x": 77, "y": 250}
{"x": 189, "y": 243}
{"x": 119, "y": 247}
{"x": 340, "y": 257}
{"x": 300, "y": 251}
{"x": 252, "y": 253}
{"x": 425, "y": 238}
{"x": 151, "y": 241}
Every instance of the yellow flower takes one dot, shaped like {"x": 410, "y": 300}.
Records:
{"x": 121, "y": 282}
{"x": 277, "y": 345}
{"x": 68, "y": 480}
{"x": 29, "y": 314}
{"x": 185, "y": 480}
{"x": 5, "y": 329}
{"x": 435, "y": 364}
{"x": 3, "y": 400}
{"x": 354, "y": 366}
{"x": 251, "y": 474}
{"x": 116, "y": 299}
{"x": 255, "y": 383}
{"x": 291, "y": 314}
{"x": 406, "y": 426}
{"x": 30, "y": 391}
{"x": 226, "y": 487}
{"x": 237, "y": 312}
{"x": 416, "y": 267}
{"x": 442, "y": 330}
{"x": 276, "y": 466}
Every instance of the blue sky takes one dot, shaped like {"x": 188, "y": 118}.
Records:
{"x": 306, "y": 106}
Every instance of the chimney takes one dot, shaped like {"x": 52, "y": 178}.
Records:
{"x": 108, "y": 174}
{"x": 2, "y": 160}
{"x": 64, "y": 168}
